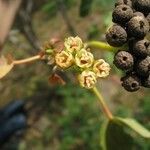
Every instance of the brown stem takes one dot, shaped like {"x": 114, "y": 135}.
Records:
{"x": 27, "y": 60}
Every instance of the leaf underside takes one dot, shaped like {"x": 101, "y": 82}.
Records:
{"x": 115, "y": 136}
{"x": 5, "y": 67}
{"x": 135, "y": 126}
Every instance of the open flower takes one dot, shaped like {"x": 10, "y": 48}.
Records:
{"x": 87, "y": 79}
{"x": 64, "y": 59}
{"x": 73, "y": 44}
{"x": 84, "y": 59}
{"x": 101, "y": 68}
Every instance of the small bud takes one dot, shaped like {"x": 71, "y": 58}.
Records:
{"x": 87, "y": 79}
{"x": 64, "y": 59}
{"x": 73, "y": 44}
{"x": 56, "y": 79}
{"x": 84, "y": 59}
{"x": 51, "y": 60}
{"x": 101, "y": 68}
{"x": 53, "y": 45}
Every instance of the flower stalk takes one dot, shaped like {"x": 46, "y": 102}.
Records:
{"x": 102, "y": 46}
{"x": 106, "y": 110}
{"x": 27, "y": 60}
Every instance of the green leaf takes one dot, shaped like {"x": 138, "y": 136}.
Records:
{"x": 134, "y": 125}
{"x": 117, "y": 138}
{"x": 102, "y": 135}
{"x": 5, "y": 67}
{"x": 114, "y": 136}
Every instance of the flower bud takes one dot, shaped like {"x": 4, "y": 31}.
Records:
{"x": 64, "y": 59}
{"x": 73, "y": 44}
{"x": 101, "y": 68}
{"x": 84, "y": 59}
{"x": 87, "y": 79}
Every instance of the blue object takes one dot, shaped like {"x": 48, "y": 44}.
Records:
{"x": 11, "y": 109}
{"x": 11, "y": 126}
{"x": 12, "y": 120}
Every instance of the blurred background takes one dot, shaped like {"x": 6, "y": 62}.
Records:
{"x": 62, "y": 117}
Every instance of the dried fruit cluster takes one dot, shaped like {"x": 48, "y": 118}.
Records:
{"x": 74, "y": 53}
{"x": 131, "y": 26}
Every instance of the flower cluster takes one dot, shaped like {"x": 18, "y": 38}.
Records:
{"x": 75, "y": 54}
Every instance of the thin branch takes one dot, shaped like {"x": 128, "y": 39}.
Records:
{"x": 27, "y": 60}
{"x": 25, "y": 25}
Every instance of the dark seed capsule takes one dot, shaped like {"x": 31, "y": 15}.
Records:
{"x": 138, "y": 27}
{"x": 123, "y": 60}
{"x": 142, "y": 6}
{"x": 146, "y": 82}
{"x": 131, "y": 83}
{"x": 142, "y": 48}
{"x": 122, "y": 14}
{"x": 137, "y": 13}
{"x": 131, "y": 42}
{"x": 148, "y": 18}
{"x": 143, "y": 67}
{"x": 124, "y": 2}
{"x": 116, "y": 36}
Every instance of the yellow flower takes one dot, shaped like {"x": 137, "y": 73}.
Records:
{"x": 87, "y": 79}
{"x": 84, "y": 59}
{"x": 73, "y": 44}
{"x": 101, "y": 68}
{"x": 64, "y": 59}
